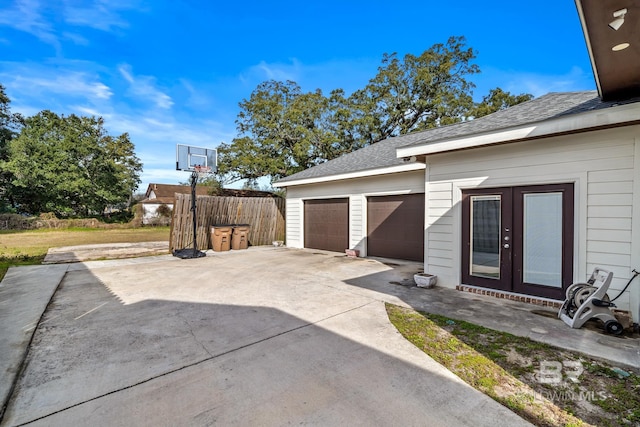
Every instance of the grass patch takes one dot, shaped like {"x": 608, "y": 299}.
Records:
{"x": 29, "y": 247}
{"x": 5, "y": 262}
{"x": 506, "y": 368}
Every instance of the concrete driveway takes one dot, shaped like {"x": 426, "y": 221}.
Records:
{"x": 265, "y": 336}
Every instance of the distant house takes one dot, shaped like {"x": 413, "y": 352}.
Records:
{"x": 158, "y": 195}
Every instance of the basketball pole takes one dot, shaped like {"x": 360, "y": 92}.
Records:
{"x": 199, "y": 161}
{"x": 194, "y": 253}
{"x": 194, "y": 182}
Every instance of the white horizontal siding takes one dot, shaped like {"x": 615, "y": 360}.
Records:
{"x": 609, "y": 226}
{"x": 440, "y": 262}
{"x": 357, "y": 223}
{"x": 608, "y": 259}
{"x": 600, "y": 164}
{"x": 618, "y": 175}
{"x": 609, "y": 200}
{"x": 621, "y": 248}
{"x": 439, "y": 212}
{"x": 601, "y": 223}
{"x": 605, "y": 187}
{"x": 609, "y": 235}
{"x": 599, "y": 211}
{"x": 436, "y": 244}
{"x": 572, "y": 151}
{"x": 441, "y": 272}
{"x": 437, "y": 253}
{"x": 294, "y": 210}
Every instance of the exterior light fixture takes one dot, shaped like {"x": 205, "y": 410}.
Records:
{"x": 619, "y": 15}
{"x": 619, "y": 47}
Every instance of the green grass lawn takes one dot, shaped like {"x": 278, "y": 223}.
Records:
{"x": 29, "y": 247}
{"x": 504, "y": 367}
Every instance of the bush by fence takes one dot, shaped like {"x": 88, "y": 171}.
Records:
{"x": 20, "y": 222}
{"x": 265, "y": 215}
{"x": 49, "y": 220}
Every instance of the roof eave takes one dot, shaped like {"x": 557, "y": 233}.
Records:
{"x": 622, "y": 115}
{"x": 587, "y": 40}
{"x": 408, "y": 167}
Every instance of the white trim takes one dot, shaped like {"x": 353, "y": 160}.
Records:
{"x": 634, "y": 291}
{"x": 587, "y": 39}
{"x": 613, "y": 116}
{"x": 581, "y": 231}
{"x": 427, "y": 215}
{"x": 357, "y": 174}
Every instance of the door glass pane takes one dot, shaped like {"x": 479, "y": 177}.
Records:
{"x": 542, "y": 239}
{"x": 485, "y": 236}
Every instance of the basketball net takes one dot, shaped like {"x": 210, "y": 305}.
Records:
{"x": 202, "y": 171}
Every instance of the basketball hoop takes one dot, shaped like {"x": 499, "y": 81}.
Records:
{"x": 202, "y": 171}
{"x": 201, "y": 162}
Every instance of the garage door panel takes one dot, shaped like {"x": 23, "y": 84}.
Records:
{"x": 395, "y": 226}
{"x": 326, "y": 224}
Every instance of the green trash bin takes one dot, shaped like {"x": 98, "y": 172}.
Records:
{"x": 240, "y": 238}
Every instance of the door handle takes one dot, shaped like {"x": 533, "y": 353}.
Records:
{"x": 506, "y": 246}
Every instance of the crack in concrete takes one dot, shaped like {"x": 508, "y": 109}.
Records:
{"x": 194, "y": 335}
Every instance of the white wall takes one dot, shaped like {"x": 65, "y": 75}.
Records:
{"x": 603, "y": 167}
{"x": 150, "y": 211}
{"x": 357, "y": 190}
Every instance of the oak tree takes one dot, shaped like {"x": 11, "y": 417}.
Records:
{"x": 283, "y": 130}
{"x": 71, "y": 166}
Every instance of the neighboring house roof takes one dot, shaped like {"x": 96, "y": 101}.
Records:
{"x": 165, "y": 193}
{"x": 389, "y": 153}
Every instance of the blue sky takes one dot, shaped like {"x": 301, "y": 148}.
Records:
{"x": 170, "y": 72}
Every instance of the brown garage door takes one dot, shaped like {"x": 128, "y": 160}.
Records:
{"x": 395, "y": 226}
{"x": 326, "y": 224}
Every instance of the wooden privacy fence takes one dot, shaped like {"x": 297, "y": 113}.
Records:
{"x": 265, "y": 215}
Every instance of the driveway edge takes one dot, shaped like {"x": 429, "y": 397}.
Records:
{"x": 25, "y": 293}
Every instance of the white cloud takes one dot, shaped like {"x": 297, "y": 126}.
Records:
{"x": 96, "y": 16}
{"x": 49, "y": 87}
{"x": 197, "y": 98}
{"x": 348, "y": 74}
{"x": 104, "y": 15}
{"x": 144, "y": 87}
{"x": 44, "y": 19}
{"x": 89, "y": 89}
{"x": 75, "y": 38}
{"x": 34, "y": 82}
{"x": 537, "y": 84}
{"x": 276, "y": 71}
{"x": 27, "y": 16}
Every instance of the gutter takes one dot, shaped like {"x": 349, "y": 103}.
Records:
{"x": 407, "y": 167}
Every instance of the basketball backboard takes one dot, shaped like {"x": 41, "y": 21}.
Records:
{"x": 188, "y": 156}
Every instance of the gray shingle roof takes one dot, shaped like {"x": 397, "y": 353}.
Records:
{"x": 383, "y": 154}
